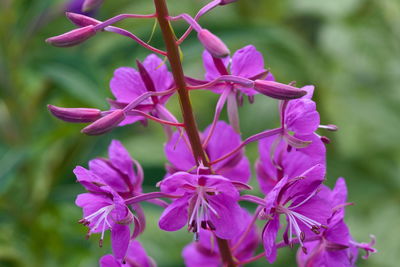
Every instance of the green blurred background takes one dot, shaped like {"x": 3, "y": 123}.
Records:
{"x": 350, "y": 49}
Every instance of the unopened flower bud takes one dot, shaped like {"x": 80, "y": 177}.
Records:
{"x": 105, "y": 124}
{"x": 213, "y": 44}
{"x": 79, "y": 115}
{"x": 89, "y": 5}
{"x": 225, "y": 2}
{"x": 81, "y": 20}
{"x": 278, "y": 90}
{"x": 73, "y": 37}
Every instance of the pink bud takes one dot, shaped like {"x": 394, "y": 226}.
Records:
{"x": 73, "y": 37}
{"x": 278, "y": 90}
{"x": 81, "y": 20}
{"x": 105, "y": 124}
{"x": 213, "y": 44}
{"x": 225, "y": 2}
{"x": 89, "y": 5}
{"x": 75, "y": 114}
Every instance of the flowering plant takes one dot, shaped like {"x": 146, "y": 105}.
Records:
{"x": 208, "y": 171}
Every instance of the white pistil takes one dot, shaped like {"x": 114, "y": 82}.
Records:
{"x": 102, "y": 220}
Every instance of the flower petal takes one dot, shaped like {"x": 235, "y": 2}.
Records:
{"x": 269, "y": 236}
{"x": 120, "y": 236}
{"x": 158, "y": 72}
{"x": 229, "y": 222}
{"x": 175, "y": 216}
{"x": 247, "y": 62}
{"x": 126, "y": 85}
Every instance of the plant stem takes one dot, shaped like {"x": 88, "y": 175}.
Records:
{"x": 186, "y": 107}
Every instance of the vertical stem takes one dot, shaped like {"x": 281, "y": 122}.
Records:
{"x": 186, "y": 107}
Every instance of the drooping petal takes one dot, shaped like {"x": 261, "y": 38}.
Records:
{"x": 109, "y": 261}
{"x": 120, "y": 236}
{"x": 269, "y": 236}
{"x": 175, "y": 216}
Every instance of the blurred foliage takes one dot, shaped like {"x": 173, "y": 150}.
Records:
{"x": 348, "y": 48}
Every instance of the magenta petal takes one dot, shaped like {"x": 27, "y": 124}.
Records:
{"x": 240, "y": 172}
{"x": 211, "y": 71}
{"x": 88, "y": 179}
{"x": 312, "y": 179}
{"x": 339, "y": 192}
{"x": 158, "y": 72}
{"x": 269, "y": 236}
{"x": 109, "y": 261}
{"x": 126, "y": 85}
{"x": 121, "y": 160}
{"x": 223, "y": 140}
{"x": 247, "y": 62}
{"x": 194, "y": 258}
{"x": 175, "y": 216}
{"x": 120, "y": 236}
{"x": 302, "y": 116}
{"x": 178, "y": 154}
{"x": 229, "y": 222}
{"x": 138, "y": 255}
{"x": 174, "y": 184}
{"x": 110, "y": 176}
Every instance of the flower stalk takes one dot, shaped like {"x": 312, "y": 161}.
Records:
{"x": 186, "y": 107}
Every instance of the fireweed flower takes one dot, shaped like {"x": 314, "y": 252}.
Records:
{"x": 207, "y": 201}
{"x": 305, "y": 211}
{"x": 222, "y": 141}
{"x": 105, "y": 210}
{"x": 205, "y": 252}
{"x": 135, "y": 256}
{"x": 247, "y": 63}
{"x": 300, "y": 116}
{"x": 335, "y": 246}
{"x": 279, "y": 159}
{"x": 117, "y": 172}
{"x": 128, "y": 84}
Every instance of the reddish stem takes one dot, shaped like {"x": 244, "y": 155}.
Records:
{"x": 186, "y": 107}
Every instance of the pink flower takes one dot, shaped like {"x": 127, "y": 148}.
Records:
{"x": 206, "y": 201}
{"x": 136, "y": 256}
{"x": 223, "y": 140}
{"x": 205, "y": 252}
{"x": 127, "y": 84}
{"x": 247, "y": 62}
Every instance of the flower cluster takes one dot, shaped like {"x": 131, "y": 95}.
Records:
{"x": 208, "y": 171}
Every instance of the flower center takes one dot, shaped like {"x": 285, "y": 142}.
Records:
{"x": 294, "y": 228}
{"x": 98, "y": 221}
{"x": 200, "y": 214}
